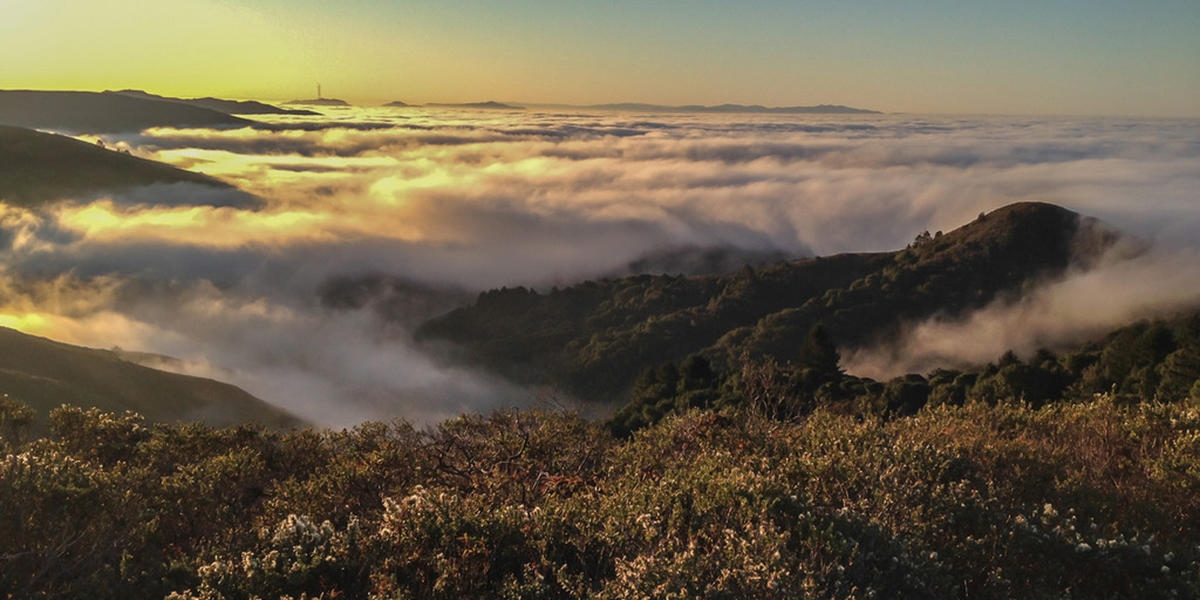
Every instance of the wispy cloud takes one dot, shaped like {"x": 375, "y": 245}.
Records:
{"x": 477, "y": 200}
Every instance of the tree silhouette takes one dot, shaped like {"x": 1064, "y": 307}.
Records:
{"x": 819, "y": 352}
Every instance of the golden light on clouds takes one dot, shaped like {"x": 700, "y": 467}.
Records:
{"x": 457, "y": 201}
{"x": 196, "y": 225}
{"x": 27, "y": 322}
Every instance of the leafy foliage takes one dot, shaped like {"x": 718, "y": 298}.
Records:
{"x": 1097, "y": 499}
{"x": 1146, "y": 361}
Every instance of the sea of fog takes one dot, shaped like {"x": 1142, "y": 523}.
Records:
{"x": 462, "y": 201}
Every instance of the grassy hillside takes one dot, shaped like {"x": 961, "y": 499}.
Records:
{"x": 36, "y": 167}
{"x": 107, "y": 112}
{"x": 46, "y": 374}
{"x": 593, "y": 339}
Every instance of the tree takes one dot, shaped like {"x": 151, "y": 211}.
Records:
{"x": 696, "y": 373}
{"x": 819, "y": 353}
{"x": 15, "y": 419}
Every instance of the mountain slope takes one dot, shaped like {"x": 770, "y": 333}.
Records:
{"x": 46, "y": 374}
{"x": 593, "y": 339}
{"x": 107, "y": 112}
{"x": 36, "y": 167}
{"x": 231, "y": 107}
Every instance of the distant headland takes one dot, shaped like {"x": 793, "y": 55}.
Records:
{"x": 320, "y": 102}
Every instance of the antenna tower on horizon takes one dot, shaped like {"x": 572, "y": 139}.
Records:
{"x": 318, "y": 91}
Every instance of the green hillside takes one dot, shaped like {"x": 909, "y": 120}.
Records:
{"x": 36, "y": 167}
{"x": 593, "y": 339}
{"x": 46, "y": 374}
{"x": 106, "y": 112}
{"x": 1156, "y": 361}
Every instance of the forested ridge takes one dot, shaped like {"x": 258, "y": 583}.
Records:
{"x": 593, "y": 339}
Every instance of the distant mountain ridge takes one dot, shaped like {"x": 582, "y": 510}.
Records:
{"x": 737, "y": 108}
{"x": 104, "y": 112}
{"x": 232, "y": 107}
{"x": 489, "y": 105}
{"x": 320, "y": 102}
{"x": 592, "y": 339}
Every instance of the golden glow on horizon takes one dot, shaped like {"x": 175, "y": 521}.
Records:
{"x": 969, "y": 57}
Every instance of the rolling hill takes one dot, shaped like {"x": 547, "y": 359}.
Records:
{"x": 45, "y": 374}
{"x": 104, "y": 112}
{"x": 231, "y": 107}
{"x": 592, "y": 339}
{"x": 36, "y": 167}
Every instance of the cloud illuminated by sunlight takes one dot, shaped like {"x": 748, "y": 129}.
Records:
{"x": 464, "y": 201}
{"x": 27, "y": 322}
{"x": 228, "y": 228}
{"x": 197, "y": 225}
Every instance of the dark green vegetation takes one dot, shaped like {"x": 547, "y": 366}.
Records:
{"x": 397, "y": 104}
{"x": 107, "y": 112}
{"x": 36, "y": 167}
{"x": 231, "y": 107}
{"x": 593, "y": 339}
{"x": 47, "y": 374}
{"x": 699, "y": 260}
{"x": 1149, "y": 360}
{"x": 1079, "y": 500}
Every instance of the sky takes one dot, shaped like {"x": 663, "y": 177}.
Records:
{"x": 950, "y": 57}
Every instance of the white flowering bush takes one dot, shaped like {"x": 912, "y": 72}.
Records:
{"x": 296, "y": 558}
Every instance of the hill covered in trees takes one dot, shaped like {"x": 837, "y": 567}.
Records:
{"x": 1147, "y": 361}
{"x": 594, "y": 338}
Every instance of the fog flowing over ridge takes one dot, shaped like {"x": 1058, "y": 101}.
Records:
{"x": 461, "y": 200}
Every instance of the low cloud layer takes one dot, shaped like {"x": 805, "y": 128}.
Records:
{"x": 478, "y": 200}
{"x": 1059, "y": 314}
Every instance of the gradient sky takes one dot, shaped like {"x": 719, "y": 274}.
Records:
{"x": 1015, "y": 57}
